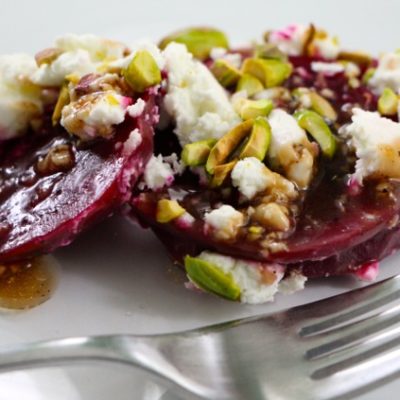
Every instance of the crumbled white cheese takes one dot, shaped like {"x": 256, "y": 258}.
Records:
{"x": 327, "y": 68}
{"x": 158, "y": 173}
{"x": 251, "y": 176}
{"x": 195, "y": 99}
{"x": 219, "y": 53}
{"x": 289, "y": 40}
{"x": 249, "y": 276}
{"x": 285, "y": 131}
{"x": 326, "y": 47}
{"x": 225, "y": 221}
{"x": 94, "y": 114}
{"x": 83, "y": 54}
{"x": 376, "y": 141}
{"x": 132, "y": 143}
{"x": 136, "y": 109}
{"x": 387, "y": 74}
{"x": 20, "y": 101}
{"x": 292, "y": 283}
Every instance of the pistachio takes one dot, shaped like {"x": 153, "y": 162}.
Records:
{"x": 142, "y": 72}
{"x": 259, "y": 140}
{"x": 388, "y": 102}
{"x": 357, "y": 57}
{"x": 195, "y": 154}
{"x": 248, "y": 109}
{"x": 226, "y": 74}
{"x": 63, "y": 100}
{"x": 221, "y": 172}
{"x": 269, "y": 50}
{"x": 316, "y": 102}
{"x": 199, "y": 41}
{"x": 211, "y": 278}
{"x": 168, "y": 210}
{"x": 315, "y": 125}
{"x": 368, "y": 74}
{"x": 270, "y": 72}
{"x": 47, "y": 56}
{"x": 227, "y": 144}
{"x": 308, "y": 39}
{"x": 250, "y": 84}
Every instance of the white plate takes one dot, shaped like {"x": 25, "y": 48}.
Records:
{"x": 117, "y": 278}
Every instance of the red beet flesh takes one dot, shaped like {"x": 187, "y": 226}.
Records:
{"x": 39, "y": 213}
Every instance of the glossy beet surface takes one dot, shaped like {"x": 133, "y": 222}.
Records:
{"x": 42, "y": 211}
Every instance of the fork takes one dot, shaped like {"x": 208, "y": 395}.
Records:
{"x": 336, "y": 348}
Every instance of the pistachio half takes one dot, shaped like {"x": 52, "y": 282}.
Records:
{"x": 199, "y": 41}
{"x": 270, "y": 72}
{"x": 368, "y": 74}
{"x": 248, "y": 109}
{"x": 195, "y": 154}
{"x": 221, "y": 172}
{"x": 315, "y": 125}
{"x": 388, "y": 102}
{"x": 269, "y": 50}
{"x": 211, "y": 278}
{"x": 227, "y": 144}
{"x": 250, "y": 84}
{"x": 142, "y": 72}
{"x": 226, "y": 74}
{"x": 168, "y": 210}
{"x": 62, "y": 101}
{"x": 259, "y": 140}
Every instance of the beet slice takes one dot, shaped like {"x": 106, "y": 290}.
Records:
{"x": 329, "y": 239}
{"x": 40, "y": 212}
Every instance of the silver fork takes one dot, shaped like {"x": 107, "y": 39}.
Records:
{"x": 336, "y": 348}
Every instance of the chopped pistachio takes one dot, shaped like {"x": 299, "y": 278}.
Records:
{"x": 226, "y": 74}
{"x": 269, "y": 50}
{"x": 388, "y": 102}
{"x": 250, "y": 84}
{"x": 270, "y": 72}
{"x": 211, "y": 278}
{"x": 63, "y": 100}
{"x": 195, "y": 154}
{"x": 47, "y": 56}
{"x": 248, "y": 109}
{"x": 315, "y": 125}
{"x": 368, "y": 74}
{"x": 259, "y": 140}
{"x": 256, "y": 229}
{"x": 142, "y": 72}
{"x": 227, "y": 144}
{"x": 357, "y": 57}
{"x": 199, "y": 41}
{"x": 168, "y": 210}
{"x": 221, "y": 172}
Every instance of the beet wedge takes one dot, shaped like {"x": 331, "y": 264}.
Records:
{"x": 43, "y": 210}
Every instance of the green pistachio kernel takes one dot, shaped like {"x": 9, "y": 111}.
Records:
{"x": 388, "y": 102}
{"x": 221, "y": 172}
{"x": 47, "y": 56}
{"x": 259, "y": 140}
{"x": 269, "y": 50}
{"x": 227, "y": 145}
{"x": 368, "y": 74}
{"x": 270, "y": 72}
{"x": 248, "y": 109}
{"x": 168, "y": 210}
{"x": 226, "y": 74}
{"x": 250, "y": 84}
{"x": 199, "y": 41}
{"x": 142, "y": 72}
{"x": 211, "y": 278}
{"x": 195, "y": 154}
{"x": 315, "y": 125}
{"x": 62, "y": 101}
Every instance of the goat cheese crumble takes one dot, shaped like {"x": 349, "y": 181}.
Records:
{"x": 376, "y": 141}
{"x": 195, "y": 99}
{"x": 387, "y": 74}
{"x": 225, "y": 221}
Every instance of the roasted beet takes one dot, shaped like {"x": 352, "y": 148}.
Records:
{"x": 52, "y": 187}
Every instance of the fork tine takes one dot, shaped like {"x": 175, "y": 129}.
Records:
{"x": 361, "y": 307}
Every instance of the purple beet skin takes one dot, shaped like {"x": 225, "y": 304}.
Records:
{"x": 42, "y": 210}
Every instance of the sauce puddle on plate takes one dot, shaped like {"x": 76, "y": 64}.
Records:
{"x": 27, "y": 284}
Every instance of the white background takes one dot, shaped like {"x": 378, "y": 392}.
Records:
{"x": 117, "y": 278}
